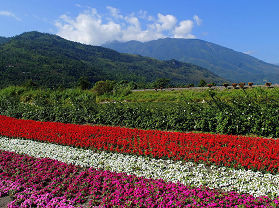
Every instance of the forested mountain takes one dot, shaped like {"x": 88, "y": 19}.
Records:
{"x": 222, "y": 61}
{"x": 52, "y": 61}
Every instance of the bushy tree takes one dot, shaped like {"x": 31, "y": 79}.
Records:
{"x": 202, "y": 83}
{"x": 103, "y": 87}
{"x": 84, "y": 83}
{"x": 161, "y": 83}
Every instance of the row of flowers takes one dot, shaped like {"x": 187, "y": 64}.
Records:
{"x": 222, "y": 150}
{"x": 42, "y": 182}
{"x": 187, "y": 173}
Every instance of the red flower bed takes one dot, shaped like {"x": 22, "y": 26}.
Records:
{"x": 226, "y": 150}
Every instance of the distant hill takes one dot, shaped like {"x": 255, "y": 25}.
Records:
{"x": 222, "y": 61}
{"x": 53, "y": 61}
{"x": 4, "y": 40}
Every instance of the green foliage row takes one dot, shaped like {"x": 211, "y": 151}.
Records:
{"x": 68, "y": 106}
{"x": 243, "y": 115}
{"x": 239, "y": 118}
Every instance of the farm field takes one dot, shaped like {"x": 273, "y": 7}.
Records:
{"x": 193, "y": 94}
{"x": 52, "y": 164}
{"x": 140, "y": 104}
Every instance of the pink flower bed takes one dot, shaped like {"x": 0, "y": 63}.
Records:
{"x": 49, "y": 183}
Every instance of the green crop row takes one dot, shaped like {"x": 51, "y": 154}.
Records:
{"x": 243, "y": 115}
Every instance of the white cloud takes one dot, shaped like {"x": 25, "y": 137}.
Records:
{"x": 115, "y": 12}
{"x": 9, "y": 14}
{"x": 197, "y": 20}
{"x": 166, "y": 22}
{"x": 184, "y": 29}
{"x": 90, "y": 27}
{"x": 144, "y": 15}
{"x": 249, "y": 52}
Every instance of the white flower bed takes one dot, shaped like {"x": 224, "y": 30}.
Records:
{"x": 254, "y": 183}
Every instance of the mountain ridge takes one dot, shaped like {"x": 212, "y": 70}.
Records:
{"x": 225, "y": 62}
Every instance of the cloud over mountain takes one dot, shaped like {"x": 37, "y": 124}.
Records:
{"x": 91, "y": 27}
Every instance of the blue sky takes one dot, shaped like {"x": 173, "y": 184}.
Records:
{"x": 247, "y": 26}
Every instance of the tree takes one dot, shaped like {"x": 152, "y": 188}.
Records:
{"x": 202, "y": 83}
{"x": 103, "y": 87}
{"x": 84, "y": 83}
{"x": 161, "y": 83}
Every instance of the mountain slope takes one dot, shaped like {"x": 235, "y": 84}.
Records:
{"x": 222, "y": 61}
{"x": 53, "y": 61}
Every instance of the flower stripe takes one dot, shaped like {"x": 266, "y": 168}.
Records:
{"x": 187, "y": 173}
{"x": 222, "y": 150}
{"x": 41, "y": 176}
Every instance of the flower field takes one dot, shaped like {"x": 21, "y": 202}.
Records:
{"x": 48, "y": 164}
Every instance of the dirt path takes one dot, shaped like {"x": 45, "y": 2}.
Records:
{"x": 4, "y": 201}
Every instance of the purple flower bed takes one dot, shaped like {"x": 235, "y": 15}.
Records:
{"x": 50, "y": 183}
